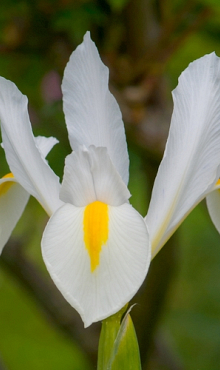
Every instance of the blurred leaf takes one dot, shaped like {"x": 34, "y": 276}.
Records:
{"x": 214, "y": 3}
{"x": 28, "y": 340}
{"x": 191, "y": 321}
{"x": 117, "y": 4}
{"x": 76, "y": 20}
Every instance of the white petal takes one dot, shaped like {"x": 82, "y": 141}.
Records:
{"x": 190, "y": 166}
{"x": 213, "y": 204}
{"x": 124, "y": 260}
{"x": 45, "y": 144}
{"x": 23, "y": 156}
{"x": 89, "y": 175}
{"x": 92, "y": 113}
{"x": 13, "y": 199}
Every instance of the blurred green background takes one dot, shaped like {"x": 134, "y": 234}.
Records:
{"x": 146, "y": 44}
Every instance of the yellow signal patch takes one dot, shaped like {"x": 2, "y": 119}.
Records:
{"x": 95, "y": 225}
{"x": 5, "y": 186}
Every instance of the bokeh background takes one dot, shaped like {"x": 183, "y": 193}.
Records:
{"x": 146, "y": 44}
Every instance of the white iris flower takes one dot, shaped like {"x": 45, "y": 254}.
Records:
{"x": 96, "y": 247}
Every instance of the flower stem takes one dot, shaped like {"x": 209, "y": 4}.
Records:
{"x": 110, "y": 328}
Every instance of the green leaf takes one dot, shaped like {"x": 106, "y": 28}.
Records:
{"x": 125, "y": 354}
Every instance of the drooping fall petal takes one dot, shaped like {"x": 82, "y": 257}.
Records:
{"x": 96, "y": 282}
{"x": 13, "y": 199}
{"x": 23, "y": 156}
{"x": 92, "y": 114}
{"x": 213, "y": 205}
{"x": 190, "y": 166}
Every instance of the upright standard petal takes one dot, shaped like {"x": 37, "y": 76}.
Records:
{"x": 213, "y": 205}
{"x": 92, "y": 114}
{"x": 13, "y": 199}
{"x": 25, "y": 160}
{"x": 190, "y": 166}
{"x": 97, "y": 263}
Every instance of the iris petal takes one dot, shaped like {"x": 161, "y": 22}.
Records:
{"x": 89, "y": 175}
{"x": 124, "y": 260}
{"x": 25, "y": 160}
{"x": 190, "y": 166}
{"x": 13, "y": 199}
{"x": 92, "y": 114}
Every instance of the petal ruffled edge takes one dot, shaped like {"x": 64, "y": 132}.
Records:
{"x": 89, "y": 175}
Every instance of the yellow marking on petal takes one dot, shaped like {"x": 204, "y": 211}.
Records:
{"x": 9, "y": 175}
{"x": 217, "y": 186}
{"x": 95, "y": 225}
{"x": 5, "y": 186}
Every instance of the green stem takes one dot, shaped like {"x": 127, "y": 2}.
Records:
{"x": 110, "y": 328}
